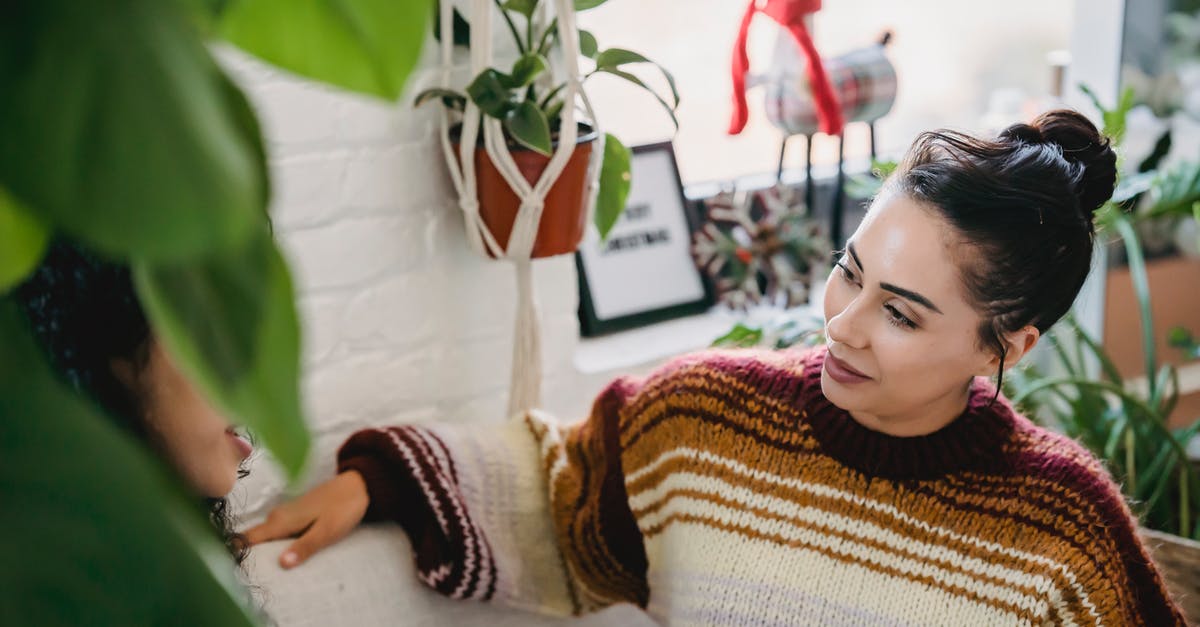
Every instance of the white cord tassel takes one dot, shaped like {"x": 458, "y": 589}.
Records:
{"x": 525, "y": 392}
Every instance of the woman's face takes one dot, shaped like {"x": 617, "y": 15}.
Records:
{"x": 903, "y": 339}
{"x": 185, "y": 428}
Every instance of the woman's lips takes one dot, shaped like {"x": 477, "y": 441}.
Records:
{"x": 243, "y": 447}
{"x": 842, "y": 372}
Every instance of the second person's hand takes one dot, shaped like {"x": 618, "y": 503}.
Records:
{"x": 321, "y": 517}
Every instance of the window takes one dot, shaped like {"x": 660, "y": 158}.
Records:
{"x": 954, "y": 61}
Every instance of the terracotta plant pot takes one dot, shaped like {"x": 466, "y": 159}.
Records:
{"x": 564, "y": 217}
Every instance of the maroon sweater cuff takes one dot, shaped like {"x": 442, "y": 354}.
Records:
{"x": 391, "y": 488}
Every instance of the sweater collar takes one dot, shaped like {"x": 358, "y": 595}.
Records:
{"x": 975, "y": 440}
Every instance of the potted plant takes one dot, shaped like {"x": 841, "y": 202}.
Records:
{"x": 529, "y": 101}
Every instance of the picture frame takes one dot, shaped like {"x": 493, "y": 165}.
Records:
{"x": 644, "y": 272}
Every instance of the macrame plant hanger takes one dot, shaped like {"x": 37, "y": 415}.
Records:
{"x": 525, "y": 385}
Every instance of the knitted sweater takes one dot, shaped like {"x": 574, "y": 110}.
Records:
{"x": 725, "y": 489}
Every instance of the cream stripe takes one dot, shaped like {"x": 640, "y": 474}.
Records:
{"x": 854, "y": 526}
{"x": 861, "y": 553}
{"x": 821, "y": 490}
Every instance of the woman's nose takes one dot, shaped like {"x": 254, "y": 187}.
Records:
{"x": 846, "y": 327}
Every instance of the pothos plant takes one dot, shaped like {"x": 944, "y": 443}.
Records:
{"x": 119, "y": 131}
{"x": 529, "y": 101}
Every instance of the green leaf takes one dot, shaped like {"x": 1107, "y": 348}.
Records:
{"x": 23, "y": 241}
{"x": 587, "y": 44}
{"x": 740, "y": 336}
{"x": 528, "y": 125}
{"x": 101, "y": 532}
{"x": 450, "y": 98}
{"x": 616, "y": 57}
{"x": 637, "y": 81}
{"x": 583, "y": 5}
{"x": 121, "y": 131}
{"x": 524, "y": 7}
{"x": 1174, "y": 191}
{"x": 527, "y": 68}
{"x": 230, "y": 322}
{"x": 615, "y": 179}
{"x": 367, "y": 46}
{"x": 491, "y": 92}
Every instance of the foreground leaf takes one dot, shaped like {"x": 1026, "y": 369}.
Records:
{"x": 367, "y": 46}
{"x": 615, "y": 179}
{"x": 98, "y": 531}
{"x": 231, "y": 324}
{"x": 119, "y": 129}
{"x": 23, "y": 241}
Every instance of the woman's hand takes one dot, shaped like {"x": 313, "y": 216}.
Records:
{"x": 321, "y": 517}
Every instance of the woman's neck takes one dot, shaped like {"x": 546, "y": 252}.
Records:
{"x": 922, "y": 420}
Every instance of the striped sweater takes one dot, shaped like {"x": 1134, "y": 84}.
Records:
{"x": 725, "y": 489}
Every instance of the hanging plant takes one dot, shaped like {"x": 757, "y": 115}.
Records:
{"x": 529, "y": 103}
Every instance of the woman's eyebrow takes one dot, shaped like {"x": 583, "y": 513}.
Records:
{"x": 899, "y": 291}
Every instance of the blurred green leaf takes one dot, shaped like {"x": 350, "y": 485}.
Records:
{"x": 524, "y": 7}
{"x": 614, "y": 58}
{"x": 119, "y": 129}
{"x": 23, "y": 241}
{"x": 583, "y": 5}
{"x": 98, "y": 531}
{"x": 450, "y": 98}
{"x": 527, "y": 124}
{"x": 492, "y": 92}
{"x": 230, "y": 322}
{"x": 587, "y": 44}
{"x": 1114, "y": 119}
{"x": 615, "y": 179}
{"x": 367, "y": 46}
{"x": 1174, "y": 191}
{"x": 740, "y": 336}
{"x": 527, "y": 68}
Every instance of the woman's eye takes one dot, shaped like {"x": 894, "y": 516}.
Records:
{"x": 899, "y": 319}
{"x": 846, "y": 273}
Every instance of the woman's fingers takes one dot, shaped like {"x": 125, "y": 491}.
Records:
{"x": 320, "y": 535}
{"x": 283, "y": 522}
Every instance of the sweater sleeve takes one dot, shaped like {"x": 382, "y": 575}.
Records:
{"x": 531, "y": 513}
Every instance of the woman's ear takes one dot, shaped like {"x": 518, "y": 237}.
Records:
{"x": 1017, "y": 344}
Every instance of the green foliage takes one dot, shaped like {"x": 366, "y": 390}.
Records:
{"x": 867, "y": 186}
{"x": 530, "y": 103}
{"x": 795, "y": 327}
{"x": 231, "y": 323}
{"x": 367, "y": 46}
{"x": 121, "y": 132}
{"x": 22, "y": 242}
{"x": 615, "y": 180}
{"x": 96, "y": 530}
{"x": 1124, "y": 425}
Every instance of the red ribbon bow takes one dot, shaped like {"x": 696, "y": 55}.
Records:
{"x": 789, "y": 14}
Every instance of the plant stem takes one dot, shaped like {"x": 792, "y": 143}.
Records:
{"x": 1141, "y": 288}
{"x": 1185, "y": 505}
{"x": 550, "y": 96}
{"x": 552, "y": 29}
{"x": 512, "y": 28}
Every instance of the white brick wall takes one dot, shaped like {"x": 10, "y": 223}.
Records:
{"x": 402, "y": 320}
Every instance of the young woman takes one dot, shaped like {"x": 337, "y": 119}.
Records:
{"x": 881, "y": 479}
{"x": 86, "y": 315}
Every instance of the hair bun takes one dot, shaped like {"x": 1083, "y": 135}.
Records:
{"x": 1082, "y": 143}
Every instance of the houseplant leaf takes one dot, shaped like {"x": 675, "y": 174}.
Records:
{"x": 230, "y": 321}
{"x": 614, "y": 58}
{"x": 492, "y": 92}
{"x": 587, "y": 44}
{"x": 23, "y": 241}
{"x": 524, "y": 7}
{"x": 450, "y": 98}
{"x": 527, "y": 124}
{"x": 119, "y": 129}
{"x": 527, "y": 68}
{"x": 99, "y": 532}
{"x": 583, "y": 5}
{"x": 367, "y": 46}
{"x": 615, "y": 179}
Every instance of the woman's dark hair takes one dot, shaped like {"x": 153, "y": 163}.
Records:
{"x": 1024, "y": 204}
{"x": 85, "y": 314}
